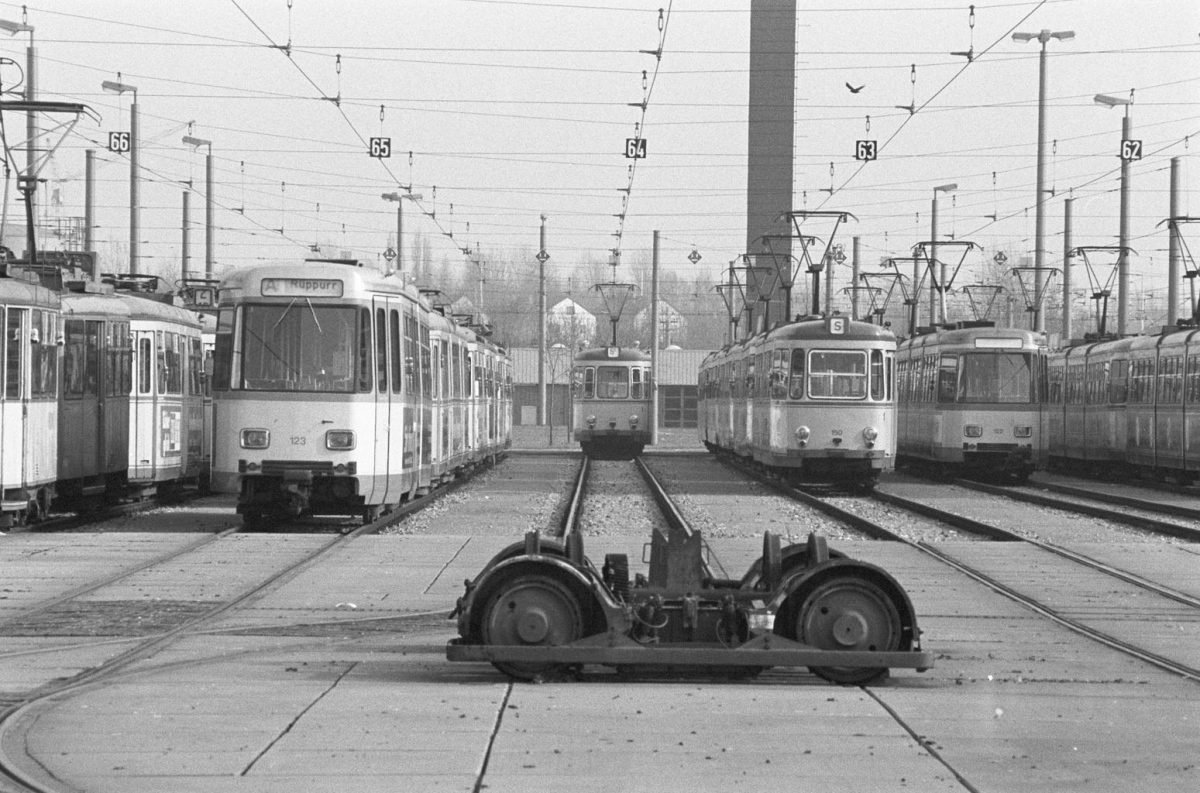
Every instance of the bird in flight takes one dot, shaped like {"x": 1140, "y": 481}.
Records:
{"x": 854, "y": 90}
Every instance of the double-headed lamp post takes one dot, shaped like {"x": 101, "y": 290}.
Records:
{"x": 1123, "y": 242}
{"x": 117, "y": 87}
{"x": 1039, "y": 245}
{"x": 13, "y": 28}
{"x": 188, "y": 140}
{"x": 399, "y": 199}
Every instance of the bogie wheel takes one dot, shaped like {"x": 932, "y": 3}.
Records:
{"x": 848, "y": 612}
{"x": 532, "y": 609}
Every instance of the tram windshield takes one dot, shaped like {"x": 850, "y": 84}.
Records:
{"x": 995, "y": 377}
{"x": 840, "y": 374}
{"x": 612, "y": 382}
{"x": 300, "y": 347}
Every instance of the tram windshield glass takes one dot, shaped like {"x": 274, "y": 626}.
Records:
{"x": 840, "y": 374}
{"x": 300, "y": 346}
{"x": 995, "y": 377}
{"x": 612, "y": 382}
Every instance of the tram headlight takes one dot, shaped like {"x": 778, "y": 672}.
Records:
{"x": 870, "y": 433}
{"x": 591, "y": 420}
{"x": 339, "y": 440}
{"x": 802, "y": 434}
{"x": 973, "y": 430}
{"x": 1022, "y": 432}
{"x": 633, "y": 420}
{"x": 256, "y": 439}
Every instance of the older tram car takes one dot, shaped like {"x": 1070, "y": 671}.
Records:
{"x": 338, "y": 391}
{"x": 29, "y": 314}
{"x": 970, "y": 400}
{"x": 812, "y": 399}
{"x": 1127, "y": 406}
{"x": 612, "y": 402}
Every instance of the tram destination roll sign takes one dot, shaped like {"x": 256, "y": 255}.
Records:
{"x": 301, "y": 287}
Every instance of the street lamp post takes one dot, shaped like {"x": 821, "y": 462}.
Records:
{"x": 118, "y": 87}
{"x": 1123, "y": 242}
{"x": 937, "y": 306}
{"x": 399, "y": 199}
{"x": 208, "y": 202}
{"x": 1039, "y": 246}
{"x": 14, "y": 28}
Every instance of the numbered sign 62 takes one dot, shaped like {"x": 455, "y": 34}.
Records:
{"x": 381, "y": 147}
{"x": 1131, "y": 150}
{"x": 866, "y": 150}
{"x": 635, "y": 148}
{"x": 118, "y": 142}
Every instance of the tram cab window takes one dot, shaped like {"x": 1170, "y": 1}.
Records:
{"x": 1005, "y": 378}
{"x": 589, "y": 383}
{"x": 614, "y": 382}
{"x": 796, "y": 382}
{"x": 12, "y": 354}
{"x": 299, "y": 346}
{"x": 837, "y": 374}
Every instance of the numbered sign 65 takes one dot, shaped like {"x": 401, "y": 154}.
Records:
{"x": 381, "y": 147}
{"x": 118, "y": 142}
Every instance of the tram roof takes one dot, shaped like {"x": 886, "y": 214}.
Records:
{"x": 601, "y": 354}
{"x": 314, "y": 280}
{"x": 145, "y": 308}
{"x": 967, "y": 335}
{"x": 18, "y": 292}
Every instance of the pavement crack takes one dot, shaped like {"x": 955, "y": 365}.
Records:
{"x": 449, "y": 562}
{"x": 487, "y": 755}
{"x": 296, "y": 720}
{"x": 923, "y": 741}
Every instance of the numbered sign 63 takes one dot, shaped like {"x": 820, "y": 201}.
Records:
{"x": 866, "y": 150}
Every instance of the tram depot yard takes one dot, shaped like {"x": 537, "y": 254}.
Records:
{"x": 336, "y": 679}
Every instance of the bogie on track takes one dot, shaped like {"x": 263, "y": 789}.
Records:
{"x": 540, "y": 611}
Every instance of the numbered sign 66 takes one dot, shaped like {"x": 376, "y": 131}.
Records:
{"x": 119, "y": 142}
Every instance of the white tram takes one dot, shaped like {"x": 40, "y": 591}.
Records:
{"x": 29, "y": 314}
{"x": 339, "y": 391}
{"x": 611, "y": 402}
{"x": 970, "y": 399}
{"x": 811, "y": 399}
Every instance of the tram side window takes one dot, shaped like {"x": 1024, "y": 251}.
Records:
{"x": 426, "y": 362}
{"x": 12, "y": 354}
{"x": 113, "y": 360}
{"x": 877, "y": 381}
{"x": 948, "y": 378}
{"x": 1118, "y": 381}
{"x": 1193, "y": 379}
{"x": 44, "y": 356}
{"x": 364, "y": 350}
{"x": 411, "y": 353}
{"x": 636, "y": 389}
{"x": 381, "y": 357}
{"x": 589, "y": 383}
{"x": 223, "y": 351}
{"x": 145, "y": 362}
{"x": 170, "y": 364}
{"x": 397, "y": 352}
{"x": 796, "y": 378}
{"x": 1097, "y": 378}
{"x": 195, "y": 367}
{"x": 1055, "y": 396}
{"x": 1170, "y": 381}
{"x": 81, "y": 362}
{"x": 891, "y": 376}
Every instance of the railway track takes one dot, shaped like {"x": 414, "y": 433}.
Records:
{"x": 1073, "y": 610}
{"x": 130, "y": 650}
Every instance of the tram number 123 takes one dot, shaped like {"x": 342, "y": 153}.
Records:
{"x": 299, "y": 440}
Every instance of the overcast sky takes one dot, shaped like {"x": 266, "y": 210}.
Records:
{"x": 517, "y": 108}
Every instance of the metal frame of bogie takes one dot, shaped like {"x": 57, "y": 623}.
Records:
{"x": 541, "y": 610}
